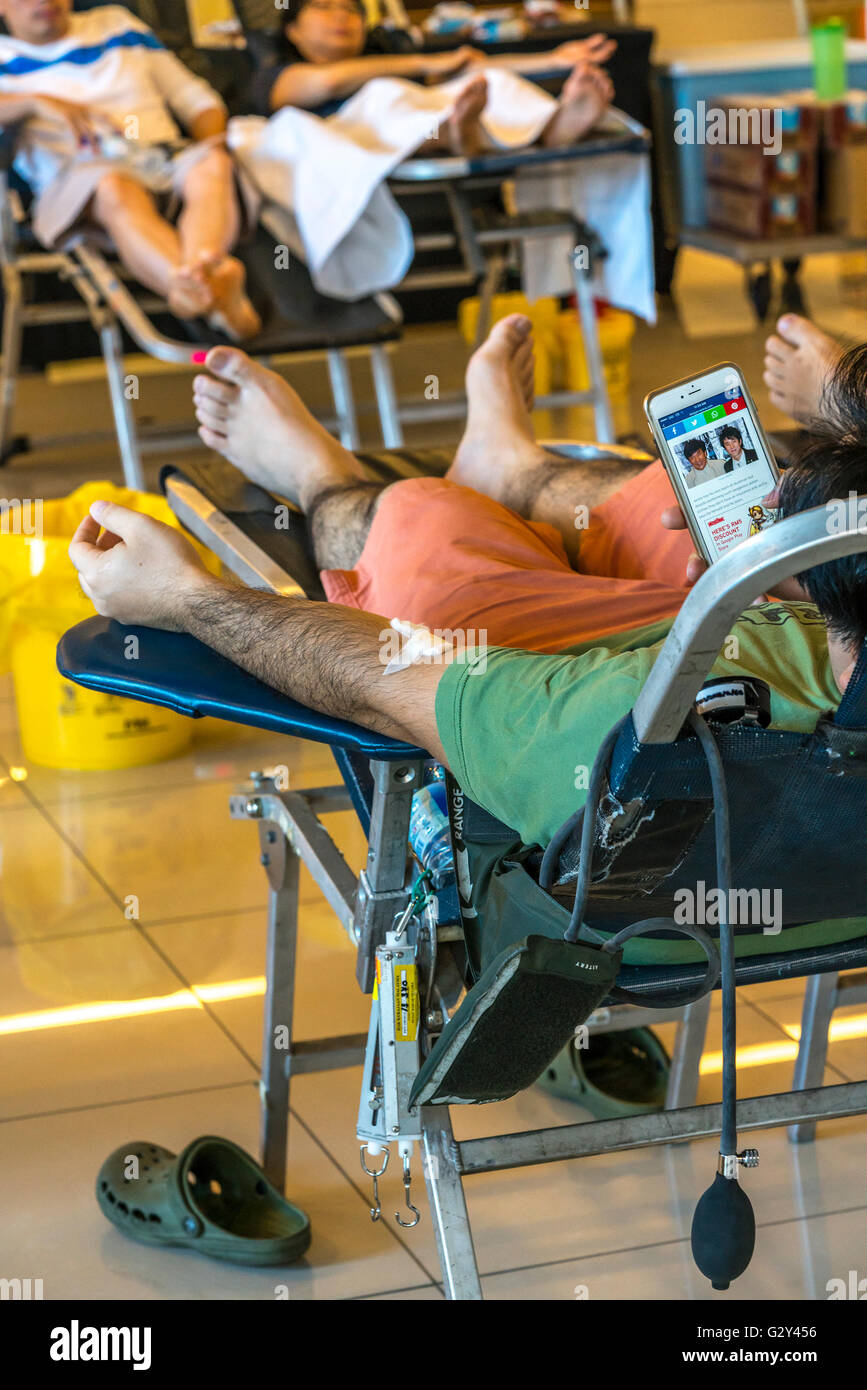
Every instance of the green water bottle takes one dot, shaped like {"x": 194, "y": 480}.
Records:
{"x": 829, "y": 59}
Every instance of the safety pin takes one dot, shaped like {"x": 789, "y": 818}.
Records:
{"x": 407, "y": 1179}
{"x": 376, "y": 1174}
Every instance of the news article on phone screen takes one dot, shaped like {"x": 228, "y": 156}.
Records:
{"x": 716, "y": 448}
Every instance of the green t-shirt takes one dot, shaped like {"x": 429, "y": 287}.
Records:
{"x": 521, "y": 730}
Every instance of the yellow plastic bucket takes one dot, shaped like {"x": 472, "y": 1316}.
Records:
{"x": 63, "y": 725}
{"x": 616, "y": 331}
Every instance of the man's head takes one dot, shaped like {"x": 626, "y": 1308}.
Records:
{"x": 833, "y": 465}
{"x": 36, "y": 21}
{"x": 695, "y": 454}
{"x": 326, "y": 31}
{"x": 732, "y": 442}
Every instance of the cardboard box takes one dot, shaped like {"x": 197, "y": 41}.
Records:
{"x": 756, "y": 214}
{"x": 749, "y": 167}
{"x": 753, "y": 119}
{"x": 845, "y": 202}
{"x": 845, "y": 121}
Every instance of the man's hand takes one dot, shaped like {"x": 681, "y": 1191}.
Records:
{"x": 787, "y": 589}
{"x": 78, "y": 120}
{"x": 439, "y": 67}
{"x": 597, "y": 49}
{"x": 139, "y": 570}
{"x": 673, "y": 519}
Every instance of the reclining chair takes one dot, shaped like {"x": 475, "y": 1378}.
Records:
{"x": 672, "y": 800}
{"x": 296, "y": 319}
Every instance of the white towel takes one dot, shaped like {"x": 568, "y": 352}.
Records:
{"x": 611, "y": 193}
{"x": 323, "y": 181}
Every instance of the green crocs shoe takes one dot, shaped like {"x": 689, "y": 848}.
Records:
{"x": 619, "y": 1074}
{"x": 212, "y": 1197}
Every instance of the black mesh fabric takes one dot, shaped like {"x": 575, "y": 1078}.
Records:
{"x": 514, "y": 1021}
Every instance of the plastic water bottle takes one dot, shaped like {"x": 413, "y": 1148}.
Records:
{"x": 829, "y": 60}
{"x": 429, "y": 832}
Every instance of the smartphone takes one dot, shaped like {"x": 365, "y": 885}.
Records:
{"x": 714, "y": 450}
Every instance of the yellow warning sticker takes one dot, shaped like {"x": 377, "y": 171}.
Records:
{"x": 406, "y": 1003}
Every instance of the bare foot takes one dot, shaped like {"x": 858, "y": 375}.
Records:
{"x": 499, "y": 436}
{"x": 189, "y": 294}
{"x": 586, "y": 95}
{"x": 463, "y": 133}
{"x": 254, "y": 419}
{"x": 230, "y": 310}
{"x": 799, "y": 361}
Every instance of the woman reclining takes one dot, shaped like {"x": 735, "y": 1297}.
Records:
{"x": 325, "y": 55}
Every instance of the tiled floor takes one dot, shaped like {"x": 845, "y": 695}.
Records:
{"x": 75, "y": 847}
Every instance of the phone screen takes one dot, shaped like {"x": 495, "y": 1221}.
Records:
{"x": 716, "y": 449}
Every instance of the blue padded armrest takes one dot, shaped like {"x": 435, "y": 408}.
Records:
{"x": 184, "y": 675}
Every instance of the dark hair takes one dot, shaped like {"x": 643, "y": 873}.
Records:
{"x": 291, "y": 9}
{"x": 692, "y": 448}
{"x": 831, "y": 466}
{"x": 730, "y": 432}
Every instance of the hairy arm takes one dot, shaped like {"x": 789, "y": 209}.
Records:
{"x": 325, "y": 656}
{"x": 329, "y": 658}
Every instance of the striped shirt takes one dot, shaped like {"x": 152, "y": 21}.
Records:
{"x": 114, "y": 65}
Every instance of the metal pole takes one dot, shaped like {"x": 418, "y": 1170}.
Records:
{"x": 344, "y": 405}
{"x": 124, "y": 420}
{"x": 682, "y": 1089}
{"x": 593, "y": 355}
{"x": 282, "y": 866}
{"x": 820, "y": 1000}
{"x": 12, "y": 334}
{"x": 448, "y": 1206}
{"x": 386, "y": 398}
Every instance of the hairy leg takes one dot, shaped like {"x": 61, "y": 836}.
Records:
{"x": 254, "y": 418}
{"x": 339, "y": 521}
{"x": 499, "y": 454}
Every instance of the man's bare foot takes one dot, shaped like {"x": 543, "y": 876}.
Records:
{"x": 253, "y": 418}
{"x": 587, "y": 93}
{"x": 799, "y": 361}
{"x": 463, "y": 132}
{"x": 231, "y": 311}
{"x": 499, "y": 437}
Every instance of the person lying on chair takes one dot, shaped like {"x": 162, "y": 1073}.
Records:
{"x": 491, "y": 549}
{"x": 95, "y": 95}
{"x": 325, "y": 54}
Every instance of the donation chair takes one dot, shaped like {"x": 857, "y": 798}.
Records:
{"x": 672, "y": 801}
{"x": 296, "y": 319}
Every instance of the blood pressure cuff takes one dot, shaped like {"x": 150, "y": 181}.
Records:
{"x": 517, "y": 1017}
{"x": 531, "y": 988}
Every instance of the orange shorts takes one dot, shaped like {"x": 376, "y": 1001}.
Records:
{"x": 449, "y": 557}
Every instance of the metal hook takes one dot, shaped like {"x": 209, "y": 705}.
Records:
{"x": 407, "y": 1179}
{"x": 376, "y": 1174}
